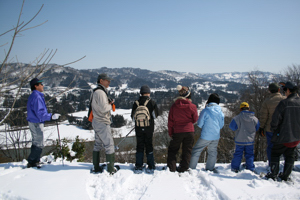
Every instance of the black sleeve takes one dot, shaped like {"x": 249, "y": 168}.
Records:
{"x": 134, "y": 106}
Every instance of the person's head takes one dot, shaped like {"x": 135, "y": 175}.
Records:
{"x": 104, "y": 80}
{"x": 213, "y": 98}
{"x": 145, "y": 90}
{"x": 244, "y": 106}
{"x": 184, "y": 91}
{"x": 36, "y": 84}
{"x": 290, "y": 88}
{"x": 274, "y": 88}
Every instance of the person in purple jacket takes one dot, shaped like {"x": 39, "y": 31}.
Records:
{"x": 37, "y": 114}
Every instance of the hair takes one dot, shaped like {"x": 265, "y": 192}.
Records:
{"x": 273, "y": 91}
{"x": 245, "y": 108}
{"x": 33, "y": 87}
{"x": 294, "y": 90}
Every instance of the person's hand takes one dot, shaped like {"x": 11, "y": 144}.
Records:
{"x": 55, "y": 116}
{"x": 261, "y": 131}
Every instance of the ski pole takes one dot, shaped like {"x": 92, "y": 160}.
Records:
{"x": 62, "y": 156}
{"x": 117, "y": 146}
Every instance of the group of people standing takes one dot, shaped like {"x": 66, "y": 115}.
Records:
{"x": 280, "y": 122}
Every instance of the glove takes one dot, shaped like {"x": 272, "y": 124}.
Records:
{"x": 55, "y": 116}
{"x": 261, "y": 131}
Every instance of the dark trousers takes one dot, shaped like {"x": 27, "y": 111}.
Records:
{"x": 144, "y": 142}
{"x": 289, "y": 158}
{"x": 34, "y": 156}
{"x": 187, "y": 141}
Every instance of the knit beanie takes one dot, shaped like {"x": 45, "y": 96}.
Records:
{"x": 183, "y": 91}
{"x": 145, "y": 89}
{"x": 214, "y": 97}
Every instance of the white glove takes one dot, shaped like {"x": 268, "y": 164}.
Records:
{"x": 55, "y": 116}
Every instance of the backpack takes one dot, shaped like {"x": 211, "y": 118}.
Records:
{"x": 142, "y": 115}
{"x": 90, "y": 112}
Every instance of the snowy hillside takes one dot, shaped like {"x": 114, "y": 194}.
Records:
{"x": 74, "y": 181}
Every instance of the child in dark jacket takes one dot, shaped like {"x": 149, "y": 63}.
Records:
{"x": 245, "y": 126}
{"x": 144, "y": 134}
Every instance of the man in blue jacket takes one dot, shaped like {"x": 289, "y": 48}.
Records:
{"x": 245, "y": 126}
{"x": 37, "y": 114}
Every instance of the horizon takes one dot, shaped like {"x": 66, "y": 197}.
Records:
{"x": 197, "y": 36}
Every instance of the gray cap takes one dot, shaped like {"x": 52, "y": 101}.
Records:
{"x": 103, "y": 77}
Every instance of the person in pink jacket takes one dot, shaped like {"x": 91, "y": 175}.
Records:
{"x": 182, "y": 116}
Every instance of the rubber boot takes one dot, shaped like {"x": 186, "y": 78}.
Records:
{"x": 110, "y": 159}
{"x": 96, "y": 161}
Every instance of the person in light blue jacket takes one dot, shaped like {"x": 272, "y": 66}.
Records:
{"x": 211, "y": 120}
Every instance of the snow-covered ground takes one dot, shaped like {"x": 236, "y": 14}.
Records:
{"x": 74, "y": 181}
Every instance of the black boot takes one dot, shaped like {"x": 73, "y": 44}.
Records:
{"x": 34, "y": 156}
{"x": 150, "y": 161}
{"x": 287, "y": 170}
{"x": 96, "y": 161}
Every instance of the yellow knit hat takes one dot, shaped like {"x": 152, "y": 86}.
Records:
{"x": 244, "y": 104}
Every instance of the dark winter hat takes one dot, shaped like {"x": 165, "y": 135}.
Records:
{"x": 103, "y": 77}
{"x": 183, "y": 91}
{"x": 35, "y": 81}
{"x": 289, "y": 85}
{"x": 145, "y": 89}
{"x": 274, "y": 87}
{"x": 213, "y": 98}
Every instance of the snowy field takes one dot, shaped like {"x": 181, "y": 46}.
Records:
{"x": 74, "y": 181}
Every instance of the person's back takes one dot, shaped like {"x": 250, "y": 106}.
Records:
{"x": 211, "y": 120}
{"x": 247, "y": 125}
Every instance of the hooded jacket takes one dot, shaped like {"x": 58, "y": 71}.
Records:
{"x": 285, "y": 123}
{"x": 36, "y": 108}
{"x": 245, "y": 126}
{"x": 182, "y": 116}
{"x": 211, "y": 120}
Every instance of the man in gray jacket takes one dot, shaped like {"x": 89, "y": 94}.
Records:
{"x": 101, "y": 107}
{"x": 266, "y": 112}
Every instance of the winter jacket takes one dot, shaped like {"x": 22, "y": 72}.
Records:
{"x": 267, "y": 110}
{"x": 182, "y": 116}
{"x": 153, "y": 110}
{"x": 36, "y": 108}
{"x": 285, "y": 123}
{"x": 100, "y": 106}
{"x": 245, "y": 126}
{"x": 211, "y": 120}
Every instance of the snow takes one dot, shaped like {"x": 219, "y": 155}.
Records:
{"x": 74, "y": 181}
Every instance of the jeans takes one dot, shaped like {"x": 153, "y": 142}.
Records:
{"x": 238, "y": 155}
{"x": 270, "y": 145}
{"x": 37, "y": 145}
{"x": 212, "y": 146}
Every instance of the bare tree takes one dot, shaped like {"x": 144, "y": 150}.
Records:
{"x": 15, "y": 77}
{"x": 292, "y": 73}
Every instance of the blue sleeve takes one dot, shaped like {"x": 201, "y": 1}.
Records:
{"x": 233, "y": 126}
{"x": 221, "y": 122}
{"x": 257, "y": 125}
{"x": 201, "y": 120}
{"x": 41, "y": 110}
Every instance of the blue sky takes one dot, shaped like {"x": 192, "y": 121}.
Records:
{"x": 198, "y": 36}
